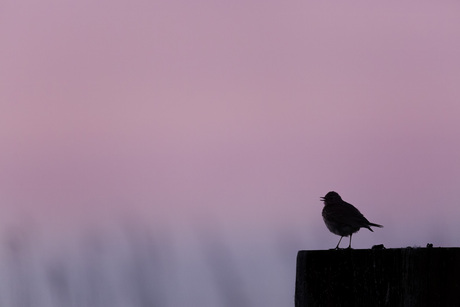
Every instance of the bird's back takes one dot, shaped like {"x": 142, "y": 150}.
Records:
{"x": 344, "y": 218}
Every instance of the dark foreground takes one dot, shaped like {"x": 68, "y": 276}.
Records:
{"x": 380, "y": 277}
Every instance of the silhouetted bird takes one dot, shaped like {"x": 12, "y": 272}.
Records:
{"x": 342, "y": 218}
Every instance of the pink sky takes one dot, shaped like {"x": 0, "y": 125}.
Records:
{"x": 243, "y": 112}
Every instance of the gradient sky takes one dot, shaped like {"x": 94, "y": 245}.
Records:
{"x": 235, "y": 113}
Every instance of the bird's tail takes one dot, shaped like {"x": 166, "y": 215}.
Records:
{"x": 375, "y": 225}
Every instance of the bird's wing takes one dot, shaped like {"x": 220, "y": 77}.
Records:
{"x": 352, "y": 216}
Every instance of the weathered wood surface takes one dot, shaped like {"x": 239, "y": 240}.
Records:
{"x": 387, "y": 277}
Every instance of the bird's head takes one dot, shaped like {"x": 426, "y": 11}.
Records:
{"x": 331, "y": 198}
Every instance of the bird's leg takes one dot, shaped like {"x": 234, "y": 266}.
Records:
{"x": 349, "y": 245}
{"x": 337, "y": 247}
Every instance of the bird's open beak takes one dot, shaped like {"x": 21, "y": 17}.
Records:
{"x": 321, "y": 198}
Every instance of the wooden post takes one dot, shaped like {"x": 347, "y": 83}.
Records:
{"x": 386, "y": 277}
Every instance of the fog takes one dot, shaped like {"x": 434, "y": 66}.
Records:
{"x": 130, "y": 264}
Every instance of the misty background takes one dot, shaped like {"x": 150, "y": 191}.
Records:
{"x": 161, "y": 153}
